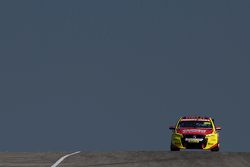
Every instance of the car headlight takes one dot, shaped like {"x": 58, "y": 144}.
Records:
{"x": 210, "y": 135}
{"x": 178, "y": 135}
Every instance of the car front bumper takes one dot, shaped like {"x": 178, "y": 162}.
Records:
{"x": 205, "y": 142}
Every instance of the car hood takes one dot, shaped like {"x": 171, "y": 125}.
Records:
{"x": 197, "y": 131}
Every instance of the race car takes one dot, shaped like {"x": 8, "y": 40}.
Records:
{"x": 192, "y": 132}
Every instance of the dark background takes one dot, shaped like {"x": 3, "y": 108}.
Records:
{"x": 109, "y": 75}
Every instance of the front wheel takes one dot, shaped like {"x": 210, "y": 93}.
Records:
{"x": 173, "y": 148}
{"x": 215, "y": 149}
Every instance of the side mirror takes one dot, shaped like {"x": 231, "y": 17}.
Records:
{"x": 172, "y": 128}
{"x": 218, "y": 128}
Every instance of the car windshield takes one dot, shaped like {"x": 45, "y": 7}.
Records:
{"x": 195, "y": 124}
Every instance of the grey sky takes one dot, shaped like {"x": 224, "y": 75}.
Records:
{"x": 113, "y": 75}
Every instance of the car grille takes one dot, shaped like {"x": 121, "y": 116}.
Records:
{"x": 194, "y": 136}
{"x": 201, "y": 144}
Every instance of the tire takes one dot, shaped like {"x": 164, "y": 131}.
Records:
{"x": 215, "y": 149}
{"x": 173, "y": 148}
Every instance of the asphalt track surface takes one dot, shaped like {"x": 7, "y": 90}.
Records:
{"x": 29, "y": 159}
{"x": 128, "y": 159}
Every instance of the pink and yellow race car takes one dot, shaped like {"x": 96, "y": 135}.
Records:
{"x": 195, "y": 133}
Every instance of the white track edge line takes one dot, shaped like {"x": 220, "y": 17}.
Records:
{"x": 64, "y": 157}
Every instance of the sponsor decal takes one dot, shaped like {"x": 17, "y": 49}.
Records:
{"x": 193, "y": 119}
{"x": 193, "y": 140}
{"x": 193, "y": 131}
